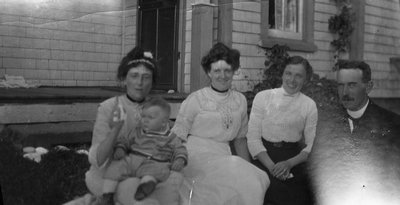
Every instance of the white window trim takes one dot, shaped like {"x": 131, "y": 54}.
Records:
{"x": 304, "y": 43}
{"x": 287, "y": 34}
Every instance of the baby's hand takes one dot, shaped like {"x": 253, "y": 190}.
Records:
{"x": 178, "y": 164}
{"x": 119, "y": 153}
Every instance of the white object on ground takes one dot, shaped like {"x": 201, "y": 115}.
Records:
{"x": 33, "y": 156}
{"x": 36, "y": 153}
{"x": 28, "y": 149}
{"x": 60, "y": 147}
{"x": 41, "y": 150}
{"x": 82, "y": 151}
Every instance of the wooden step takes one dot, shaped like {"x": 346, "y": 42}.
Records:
{"x": 51, "y": 116}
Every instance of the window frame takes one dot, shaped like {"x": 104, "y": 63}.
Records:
{"x": 305, "y": 43}
{"x": 276, "y": 33}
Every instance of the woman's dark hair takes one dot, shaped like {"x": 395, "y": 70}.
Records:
{"x": 221, "y": 52}
{"x": 294, "y": 60}
{"x": 134, "y": 58}
{"x": 364, "y": 67}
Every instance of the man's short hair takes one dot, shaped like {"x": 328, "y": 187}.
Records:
{"x": 353, "y": 64}
{"x": 159, "y": 102}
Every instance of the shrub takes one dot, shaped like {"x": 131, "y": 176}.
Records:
{"x": 58, "y": 178}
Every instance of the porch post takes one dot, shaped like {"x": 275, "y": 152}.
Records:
{"x": 357, "y": 37}
{"x": 225, "y": 9}
{"x": 202, "y": 40}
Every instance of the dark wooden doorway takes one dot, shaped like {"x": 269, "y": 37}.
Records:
{"x": 158, "y": 32}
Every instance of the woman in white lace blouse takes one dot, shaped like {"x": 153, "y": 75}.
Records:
{"x": 209, "y": 119}
{"x": 137, "y": 71}
{"x": 281, "y": 133}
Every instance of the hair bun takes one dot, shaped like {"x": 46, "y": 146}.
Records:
{"x": 135, "y": 53}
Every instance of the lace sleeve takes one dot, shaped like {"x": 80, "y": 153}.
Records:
{"x": 186, "y": 115}
{"x": 244, "y": 118}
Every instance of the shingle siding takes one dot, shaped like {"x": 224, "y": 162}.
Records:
{"x": 53, "y": 44}
{"x": 81, "y": 43}
{"x": 382, "y": 41}
{"x": 247, "y": 37}
{"x": 381, "y": 37}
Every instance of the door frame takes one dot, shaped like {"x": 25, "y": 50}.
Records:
{"x": 179, "y": 46}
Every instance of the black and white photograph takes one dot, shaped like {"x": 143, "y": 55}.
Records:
{"x": 200, "y": 102}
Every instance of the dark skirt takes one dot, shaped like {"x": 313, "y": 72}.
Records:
{"x": 293, "y": 191}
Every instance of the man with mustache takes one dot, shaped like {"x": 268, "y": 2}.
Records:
{"x": 356, "y": 154}
{"x": 354, "y": 84}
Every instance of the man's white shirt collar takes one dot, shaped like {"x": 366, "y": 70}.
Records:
{"x": 356, "y": 114}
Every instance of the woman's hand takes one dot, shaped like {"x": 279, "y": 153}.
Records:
{"x": 281, "y": 170}
{"x": 118, "y": 115}
{"x": 115, "y": 122}
{"x": 265, "y": 160}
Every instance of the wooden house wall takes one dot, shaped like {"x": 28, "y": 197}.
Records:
{"x": 66, "y": 43}
{"x": 381, "y": 42}
{"x": 82, "y": 42}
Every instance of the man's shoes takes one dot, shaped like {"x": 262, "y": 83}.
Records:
{"x": 145, "y": 189}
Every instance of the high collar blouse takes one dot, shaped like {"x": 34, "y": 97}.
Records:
{"x": 209, "y": 114}
{"x": 277, "y": 116}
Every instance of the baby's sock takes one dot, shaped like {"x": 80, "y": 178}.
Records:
{"x": 146, "y": 187}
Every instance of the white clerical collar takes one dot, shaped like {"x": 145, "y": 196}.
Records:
{"x": 357, "y": 114}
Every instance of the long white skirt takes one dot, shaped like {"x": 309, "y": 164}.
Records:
{"x": 214, "y": 177}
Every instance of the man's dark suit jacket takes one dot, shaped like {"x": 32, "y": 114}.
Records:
{"x": 339, "y": 157}
{"x": 378, "y": 122}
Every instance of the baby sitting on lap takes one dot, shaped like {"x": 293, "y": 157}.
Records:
{"x": 148, "y": 155}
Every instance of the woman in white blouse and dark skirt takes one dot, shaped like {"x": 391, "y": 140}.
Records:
{"x": 281, "y": 133}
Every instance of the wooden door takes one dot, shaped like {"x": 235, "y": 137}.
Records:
{"x": 158, "y": 32}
